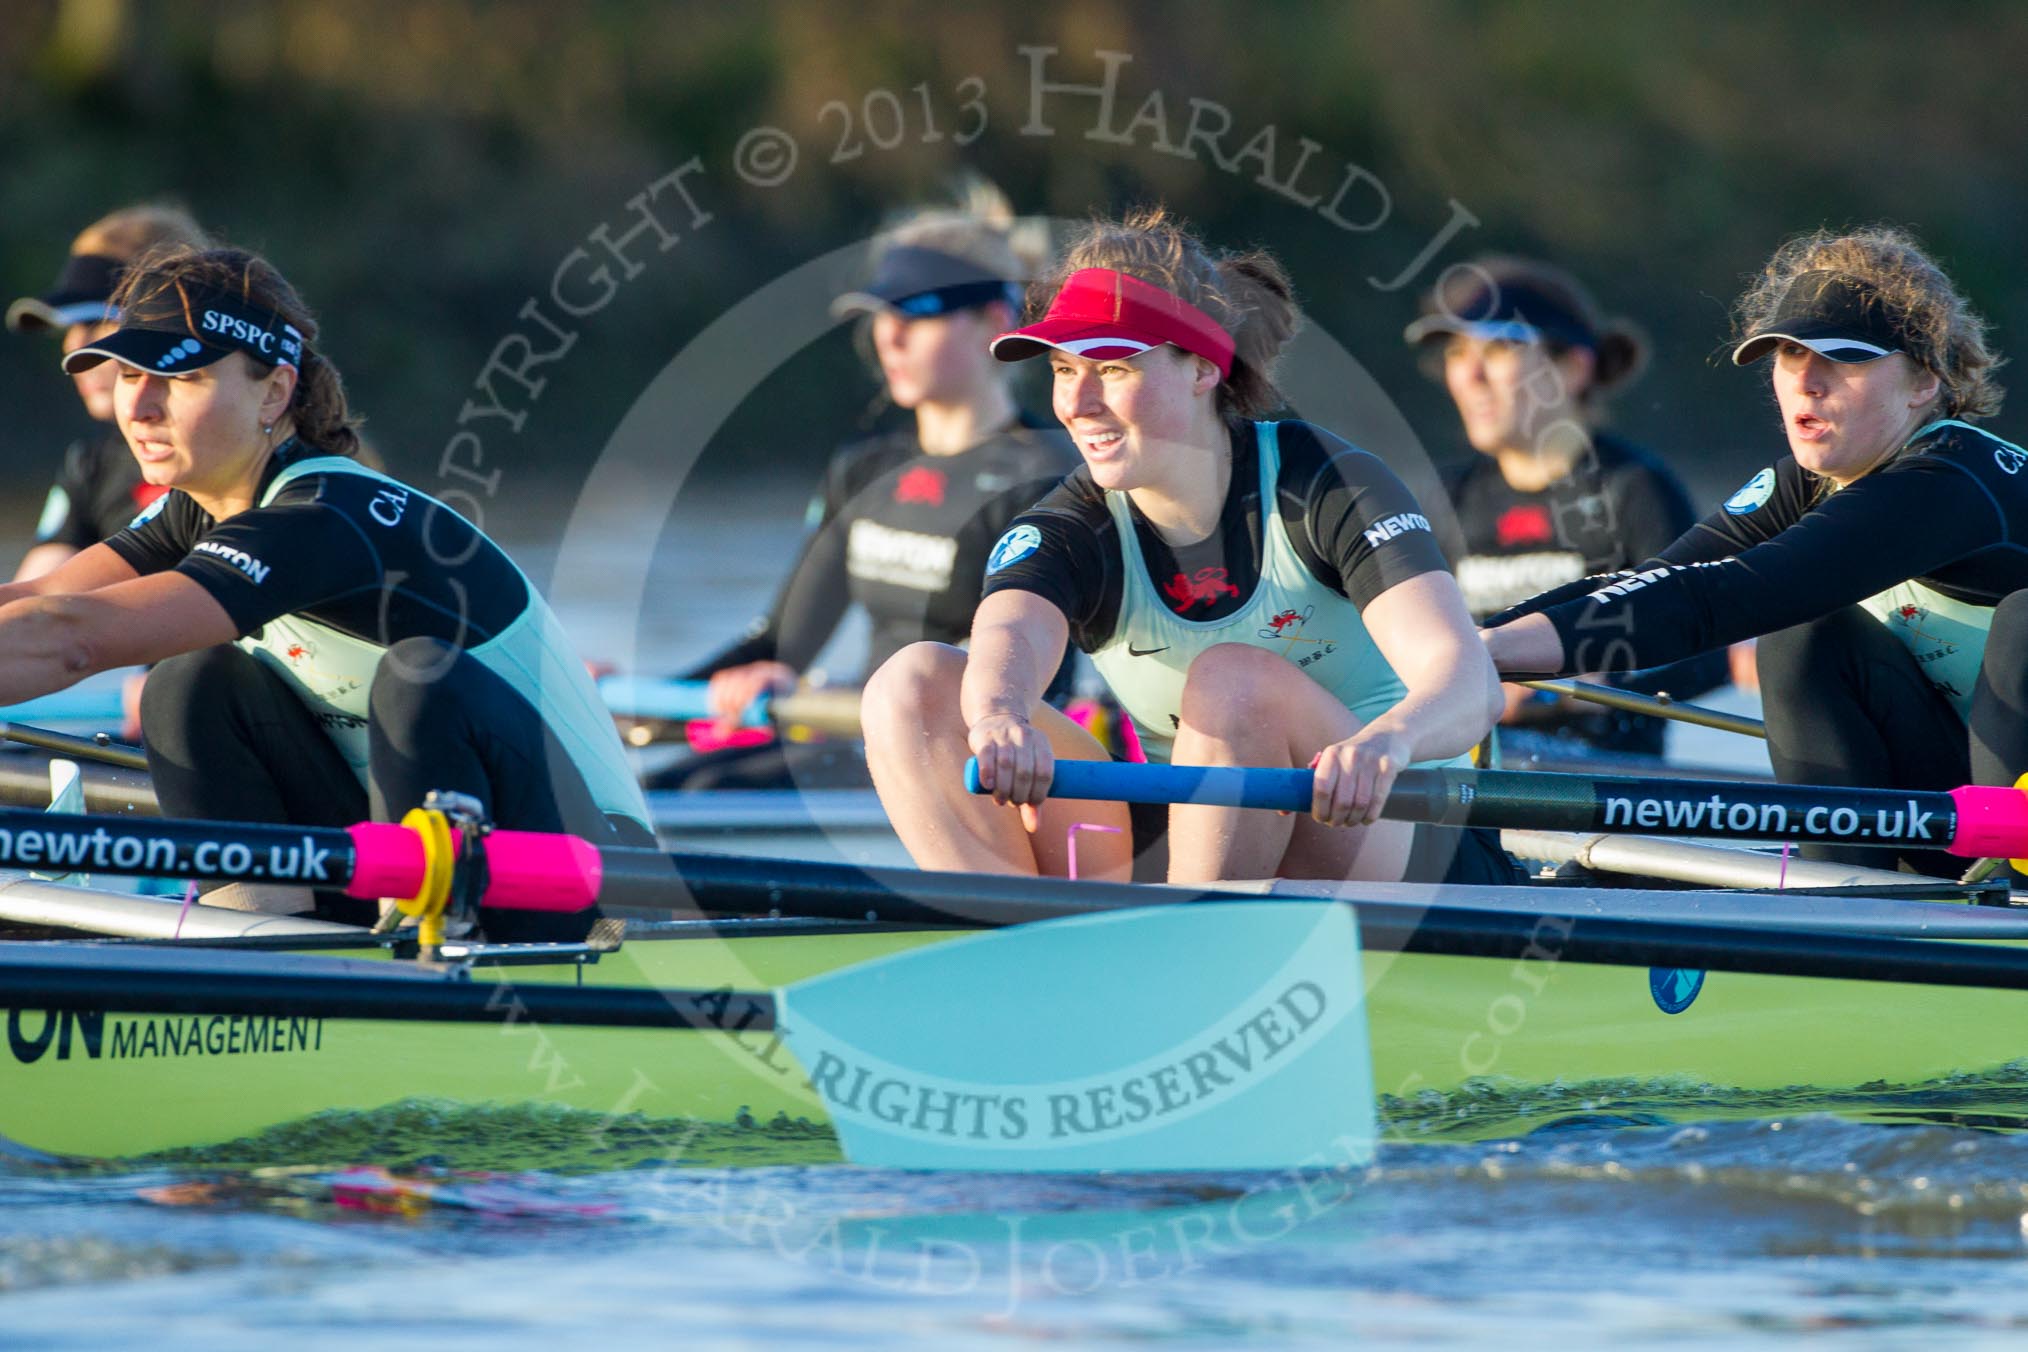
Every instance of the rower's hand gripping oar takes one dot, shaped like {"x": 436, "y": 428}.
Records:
{"x": 1975, "y": 821}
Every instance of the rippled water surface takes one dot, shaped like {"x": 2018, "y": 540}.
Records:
{"x": 1733, "y": 1234}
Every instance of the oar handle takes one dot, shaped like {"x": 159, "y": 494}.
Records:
{"x": 1219, "y": 786}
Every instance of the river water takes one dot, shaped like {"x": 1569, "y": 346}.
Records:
{"x": 1602, "y": 1233}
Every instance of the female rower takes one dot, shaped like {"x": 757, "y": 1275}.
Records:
{"x": 1255, "y": 593}
{"x": 904, "y": 520}
{"x": 1882, "y": 558}
{"x": 332, "y": 643}
{"x": 1550, "y": 498}
{"x": 99, "y": 487}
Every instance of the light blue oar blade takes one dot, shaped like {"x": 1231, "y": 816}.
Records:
{"x": 96, "y": 704}
{"x": 1227, "y": 1036}
{"x": 650, "y": 697}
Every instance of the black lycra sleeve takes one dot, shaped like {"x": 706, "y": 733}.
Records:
{"x": 1057, "y": 554}
{"x": 1763, "y": 507}
{"x": 282, "y": 558}
{"x": 1654, "y": 513}
{"x": 1766, "y": 505}
{"x": 811, "y": 601}
{"x": 1898, "y": 523}
{"x": 1360, "y": 518}
{"x": 157, "y": 539}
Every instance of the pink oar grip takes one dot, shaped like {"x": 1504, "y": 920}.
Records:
{"x": 529, "y": 870}
{"x": 1992, "y": 822}
{"x": 387, "y": 861}
{"x": 537, "y": 871}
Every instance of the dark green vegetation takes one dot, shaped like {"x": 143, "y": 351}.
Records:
{"x": 421, "y": 167}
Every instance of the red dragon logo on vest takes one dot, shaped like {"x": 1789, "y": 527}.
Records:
{"x": 1206, "y": 585}
{"x": 920, "y": 484}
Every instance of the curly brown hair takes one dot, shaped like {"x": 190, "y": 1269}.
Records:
{"x": 323, "y": 420}
{"x": 1248, "y": 293}
{"x": 1946, "y": 336}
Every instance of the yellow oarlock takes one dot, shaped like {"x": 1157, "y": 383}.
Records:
{"x": 439, "y": 859}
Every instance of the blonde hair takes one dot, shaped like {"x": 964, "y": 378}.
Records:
{"x": 128, "y": 233}
{"x": 1249, "y": 294}
{"x": 1946, "y": 336}
{"x": 323, "y": 419}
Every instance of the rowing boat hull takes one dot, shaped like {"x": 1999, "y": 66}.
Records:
{"x": 1463, "y": 1048}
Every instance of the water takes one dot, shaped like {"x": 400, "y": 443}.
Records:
{"x": 408, "y": 1228}
{"x": 1730, "y": 1235}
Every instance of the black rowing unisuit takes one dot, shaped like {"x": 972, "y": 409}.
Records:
{"x": 1618, "y": 506}
{"x": 1950, "y": 511}
{"x": 906, "y": 535}
{"x": 98, "y": 490}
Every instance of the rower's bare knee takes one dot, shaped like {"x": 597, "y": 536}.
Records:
{"x": 1233, "y": 690}
{"x": 915, "y": 688}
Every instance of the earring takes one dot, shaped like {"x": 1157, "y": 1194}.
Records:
{"x": 268, "y": 430}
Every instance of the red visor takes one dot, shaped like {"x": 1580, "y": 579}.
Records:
{"x": 1101, "y": 313}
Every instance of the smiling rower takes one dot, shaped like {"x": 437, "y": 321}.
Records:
{"x": 1255, "y": 593}
{"x": 1884, "y": 557}
{"x": 333, "y": 643}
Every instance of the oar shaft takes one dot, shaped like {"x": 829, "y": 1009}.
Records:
{"x": 834, "y": 711}
{"x": 1972, "y": 821}
{"x": 78, "y": 748}
{"x": 39, "y": 977}
{"x": 1628, "y": 701}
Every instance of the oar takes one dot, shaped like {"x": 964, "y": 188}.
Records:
{"x": 94, "y": 703}
{"x": 1656, "y": 706}
{"x": 1975, "y": 821}
{"x": 953, "y": 1056}
{"x": 823, "y": 710}
{"x": 100, "y": 748}
{"x": 530, "y": 870}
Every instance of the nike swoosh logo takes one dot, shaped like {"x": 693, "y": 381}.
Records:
{"x": 1132, "y": 651}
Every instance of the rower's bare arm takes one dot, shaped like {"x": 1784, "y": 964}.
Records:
{"x": 49, "y": 641}
{"x": 1017, "y": 641}
{"x": 84, "y": 570}
{"x": 1529, "y": 646}
{"x": 1453, "y": 694}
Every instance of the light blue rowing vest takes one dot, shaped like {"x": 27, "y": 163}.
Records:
{"x": 332, "y": 672}
{"x": 1290, "y": 613}
{"x": 1946, "y": 636}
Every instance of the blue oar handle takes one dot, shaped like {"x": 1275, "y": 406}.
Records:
{"x": 675, "y": 701}
{"x": 1218, "y": 786}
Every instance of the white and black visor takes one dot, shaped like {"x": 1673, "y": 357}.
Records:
{"x": 183, "y": 328}
{"x": 917, "y": 283}
{"x": 82, "y": 294}
{"x": 1835, "y": 316}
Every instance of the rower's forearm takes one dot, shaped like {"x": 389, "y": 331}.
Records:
{"x": 1002, "y": 675}
{"x": 1529, "y": 646}
{"x": 1449, "y": 718}
{"x": 46, "y": 647}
